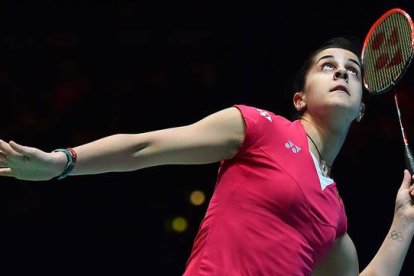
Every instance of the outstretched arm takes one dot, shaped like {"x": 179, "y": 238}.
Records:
{"x": 212, "y": 139}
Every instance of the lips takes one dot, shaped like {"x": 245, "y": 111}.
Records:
{"x": 340, "y": 88}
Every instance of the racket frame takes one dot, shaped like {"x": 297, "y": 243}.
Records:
{"x": 369, "y": 36}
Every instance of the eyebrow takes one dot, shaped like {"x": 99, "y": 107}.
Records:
{"x": 331, "y": 56}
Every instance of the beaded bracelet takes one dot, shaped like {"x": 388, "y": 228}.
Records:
{"x": 71, "y": 156}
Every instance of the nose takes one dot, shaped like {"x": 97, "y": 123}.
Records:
{"x": 341, "y": 74}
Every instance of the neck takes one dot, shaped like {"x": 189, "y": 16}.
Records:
{"x": 328, "y": 140}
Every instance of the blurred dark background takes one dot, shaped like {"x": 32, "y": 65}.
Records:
{"x": 74, "y": 71}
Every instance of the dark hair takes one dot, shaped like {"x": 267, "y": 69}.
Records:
{"x": 349, "y": 43}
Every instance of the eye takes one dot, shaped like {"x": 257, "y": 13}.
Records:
{"x": 327, "y": 66}
{"x": 353, "y": 70}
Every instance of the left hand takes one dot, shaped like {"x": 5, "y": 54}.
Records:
{"x": 29, "y": 163}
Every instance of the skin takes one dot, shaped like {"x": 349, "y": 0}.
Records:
{"x": 328, "y": 114}
{"x": 331, "y": 99}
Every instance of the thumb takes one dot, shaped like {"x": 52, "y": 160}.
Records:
{"x": 406, "y": 183}
{"x": 27, "y": 151}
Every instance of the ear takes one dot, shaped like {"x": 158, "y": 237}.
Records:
{"x": 361, "y": 112}
{"x": 299, "y": 101}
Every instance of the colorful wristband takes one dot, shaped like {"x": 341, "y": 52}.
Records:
{"x": 71, "y": 156}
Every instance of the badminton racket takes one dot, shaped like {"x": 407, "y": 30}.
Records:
{"x": 386, "y": 55}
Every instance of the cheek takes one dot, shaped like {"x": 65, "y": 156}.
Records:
{"x": 358, "y": 90}
{"x": 314, "y": 87}
{"x": 310, "y": 83}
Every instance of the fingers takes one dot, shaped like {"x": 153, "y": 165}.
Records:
{"x": 6, "y": 172}
{"x": 12, "y": 152}
{"x": 407, "y": 180}
{"x": 3, "y": 157}
{"x": 5, "y": 148}
{"x": 412, "y": 190}
{"x": 27, "y": 151}
{"x": 12, "y": 149}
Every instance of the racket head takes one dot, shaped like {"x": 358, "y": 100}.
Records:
{"x": 387, "y": 51}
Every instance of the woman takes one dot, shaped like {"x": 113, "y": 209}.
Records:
{"x": 275, "y": 209}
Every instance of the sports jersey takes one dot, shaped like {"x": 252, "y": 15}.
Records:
{"x": 271, "y": 213}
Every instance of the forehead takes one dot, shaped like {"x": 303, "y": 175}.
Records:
{"x": 337, "y": 53}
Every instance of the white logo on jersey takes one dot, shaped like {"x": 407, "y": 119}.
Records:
{"x": 265, "y": 114}
{"x": 293, "y": 147}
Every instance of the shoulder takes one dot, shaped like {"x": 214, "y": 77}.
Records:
{"x": 261, "y": 125}
{"x": 258, "y": 115}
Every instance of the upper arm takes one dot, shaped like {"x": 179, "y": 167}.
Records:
{"x": 211, "y": 139}
{"x": 341, "y": 260}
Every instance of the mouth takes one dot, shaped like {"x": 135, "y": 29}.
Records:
{"x": 340, "y": 88}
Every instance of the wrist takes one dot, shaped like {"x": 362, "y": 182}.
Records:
{"x": 403, "y": 224}
{"x": 66, "y": 161}
{"x": 59, "y": 162}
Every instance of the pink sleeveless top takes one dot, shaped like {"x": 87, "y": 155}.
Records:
{"x": 270, "y": 214}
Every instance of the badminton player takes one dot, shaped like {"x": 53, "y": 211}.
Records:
{"x": 275, "y": 209}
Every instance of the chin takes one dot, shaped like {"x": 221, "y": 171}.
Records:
{"x": 341, "y": 112}
{"x": 342, "y": 103}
